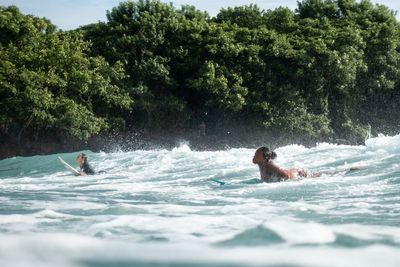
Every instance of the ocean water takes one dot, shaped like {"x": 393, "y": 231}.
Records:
{"x": 161, "y": 208}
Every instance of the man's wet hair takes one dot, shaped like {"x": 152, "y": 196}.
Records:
{"x": 83, "y": 155}
{"x": 268, "y": 154}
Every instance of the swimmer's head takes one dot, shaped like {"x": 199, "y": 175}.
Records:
{"x": 263, "y": 154}
{"x": 81, "y": 158}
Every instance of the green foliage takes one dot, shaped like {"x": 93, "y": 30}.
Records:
{"x": 327, "y": 69}
{"x": 48, "y": 82}
{"x": 318, "y": 9}
{"x": 244, "y": 16}
{"x": 294, "y": 117}
{"x": 219, "y": 88}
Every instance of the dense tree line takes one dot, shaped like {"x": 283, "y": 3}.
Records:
{"x": 49, "y": 83}
{"x": 329, "y": 68}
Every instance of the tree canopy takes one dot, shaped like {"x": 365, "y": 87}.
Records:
{"x": 48, "y": 82}
{"x": 328, "y": 68}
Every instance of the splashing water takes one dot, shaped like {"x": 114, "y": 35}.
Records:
{"x": 161, "y": 208}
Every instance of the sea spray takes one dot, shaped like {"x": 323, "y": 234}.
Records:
{"x": 162, "y": 207}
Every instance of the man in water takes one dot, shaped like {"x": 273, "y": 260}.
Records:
{"x": 85, "y": 168}
{"x": 271, "y": 172}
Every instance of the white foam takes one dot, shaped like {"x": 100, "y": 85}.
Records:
{"x": 302, "y": 233}
{"x": 66, "y": 250}
{"x": 163, "y": 202}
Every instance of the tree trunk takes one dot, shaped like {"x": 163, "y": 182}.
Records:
{"x": 23, "y": 129}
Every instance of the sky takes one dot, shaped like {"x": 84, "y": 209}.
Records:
{"x": 70, "y": 14}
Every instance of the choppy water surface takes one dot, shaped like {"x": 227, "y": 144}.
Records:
{"x": 160, "y": 208}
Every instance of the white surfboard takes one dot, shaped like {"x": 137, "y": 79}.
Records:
{"x": 69, "y": 167}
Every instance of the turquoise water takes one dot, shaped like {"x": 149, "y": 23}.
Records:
{"x": 160, "y": 208}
